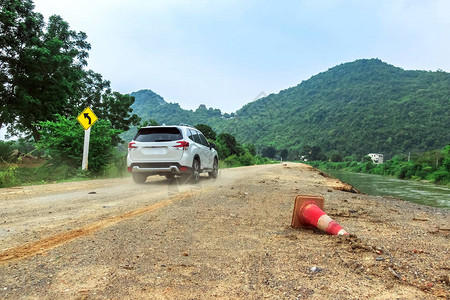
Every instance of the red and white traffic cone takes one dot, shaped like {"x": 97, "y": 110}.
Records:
{"x": 308, "y": 212}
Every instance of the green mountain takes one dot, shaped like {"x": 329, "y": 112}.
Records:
{"x": 149, "y": 105}
{"x": 354, "y": 108}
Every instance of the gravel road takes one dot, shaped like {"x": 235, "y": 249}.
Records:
{"x": 228, "y": 238}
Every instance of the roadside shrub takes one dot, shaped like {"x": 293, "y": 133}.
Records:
{"x": 240, "y": 160}
{"x": 231, "y": 161}
{"x": 63, "y": 142}
{"x": 404, "y": 170}
{"x": 8, "y": 176}
{"x": 428, "y": 165}
{"x": 441, "y": 176}
{"x": 27, "y": 146}
{"x": 120, "y": 162}
{"x": 62, "y": 172}
{"x": 351, "y": 158}
{"x": 247, "y": 159}
{"x": 6, "y": 150}
{"x": 336, "y": 157}
{"x": 446, "y": 162}
{"x": 264, "y": 160}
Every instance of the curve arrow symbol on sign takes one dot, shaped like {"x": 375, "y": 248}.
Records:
{"x": 86, "y": 116}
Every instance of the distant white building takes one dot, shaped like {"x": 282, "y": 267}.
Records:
{"x": 376, "y": 158}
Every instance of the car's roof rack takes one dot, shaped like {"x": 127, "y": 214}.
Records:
{"x": 184, "y": 124}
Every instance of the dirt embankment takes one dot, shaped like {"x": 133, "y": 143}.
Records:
{"x": 229, "y": 238}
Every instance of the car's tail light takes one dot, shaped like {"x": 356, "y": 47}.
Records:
{"x": 132, "y": 145}
{"x": 130, "y": 169}
{"x": 182, "y": 145}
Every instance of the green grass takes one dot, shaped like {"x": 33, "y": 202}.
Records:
{"x": 43, "y": 172}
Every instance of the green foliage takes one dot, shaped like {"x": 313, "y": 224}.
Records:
{"x": 336, "y": 157}
{"x": 230, "y": 151}
{"x": 150, "y": 122}
{"x": 367, "y": 158}
{"x": 227, "y": 145}
{"x": 246, "y": 159}
{"x": 250, "y": 148}
{"x": 120, "y": 162}
{"x": 207, "y": 131}
{"x": 423, "y": 167}
{"x": 112, "y": 106}
{"x": 20, "y": 29}
{"x": 50, "y": 69}
{"x": 27, "y": 146}
{"x": 63, "y": 141}
{"x": 8, "y": 176}
{"x": 350, "y": 158}
{"x": 284, "y": 154}
{"x": 313, "y": 153}
{"x": 116, "y": 108}
{"x": 43, "y": 74}
{"x": 232, "y": 161}
{"x": 353, "y": 109}
{"x": 446, "y": 162}
{"x": 440, "y": 176}
{"x": 6, "y": 150}
{"x": 269, "y": 152}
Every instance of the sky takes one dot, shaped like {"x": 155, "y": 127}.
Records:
{"x": 224, "y": 53}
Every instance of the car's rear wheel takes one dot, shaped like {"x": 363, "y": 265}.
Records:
{"x": 215, "y": 172}
{"x": 139, "y": 178}
{"x": 195, "y": 171}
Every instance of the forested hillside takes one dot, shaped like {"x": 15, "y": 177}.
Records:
{"x": 354, "y": 108}
{"x": 151, "y": 106}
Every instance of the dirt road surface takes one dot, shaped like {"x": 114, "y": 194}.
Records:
{"x": 228, "y": 238}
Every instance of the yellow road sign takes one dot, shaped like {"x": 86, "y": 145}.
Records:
{"x": 87, "y": 118}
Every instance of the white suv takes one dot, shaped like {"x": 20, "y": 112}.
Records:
{"x": 169, "y": 151}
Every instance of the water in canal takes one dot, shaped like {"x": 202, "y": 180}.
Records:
{"x": 414, "y": 191}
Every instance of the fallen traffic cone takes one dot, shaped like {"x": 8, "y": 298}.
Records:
{"x": 308, "y": 212}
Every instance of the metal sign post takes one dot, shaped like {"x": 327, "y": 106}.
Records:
{"x": 87, "y": 135}
{"x": 87, "y": 118}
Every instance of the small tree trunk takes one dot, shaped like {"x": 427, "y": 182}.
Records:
{"x": 36, "y": 135}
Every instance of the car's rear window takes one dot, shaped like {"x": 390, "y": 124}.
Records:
{"x": 158, "y": 134}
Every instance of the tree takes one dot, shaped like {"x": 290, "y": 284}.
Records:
{"x": 227, "y": 145}
{"x": 250, "y": 148}
{"x": 207, "y": 131}
{"x": 116, "y": 108}
{"x": 313, "y": 153}
{"x": 20, "y": 30}
{"x": 92, "y": 89}
{"x": 63, "y": 141}
{"x": 367, "y": 158}
{"x": 42, "y": 74}
{"x": 6, "y": 151}
{"x": 150, "y": 122}
{"x": 48, "y": 76}
{"x": 446, "y": 162}
{"x": 112, "y": 106}
{"x": 284, "y": 154}
{"x": 336, "y": 157}
{"x": 269, "y": 152}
